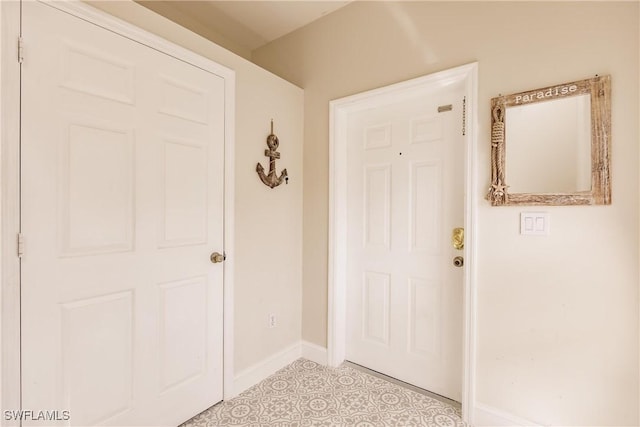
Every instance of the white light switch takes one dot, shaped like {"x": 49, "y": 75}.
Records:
{"x": 534, "y": 223}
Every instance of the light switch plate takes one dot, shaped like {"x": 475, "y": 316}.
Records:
{"x": 534, "y": 223}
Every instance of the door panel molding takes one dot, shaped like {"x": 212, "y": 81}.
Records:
{"x": 339, "y": 112}
{"x": 10, "y": 365}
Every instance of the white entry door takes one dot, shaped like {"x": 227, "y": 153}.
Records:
{"x": 404, "y": 197}
{"x": 122, "y": 204}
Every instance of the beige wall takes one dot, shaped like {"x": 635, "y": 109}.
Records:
{"x": 558, "y": 316}
{"x": 268, "y": 223}
{"x": 196, "y": 22}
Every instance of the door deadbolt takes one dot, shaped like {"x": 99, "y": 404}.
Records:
{"x": 217, "y": 257}
{"x": 458, "y": 261}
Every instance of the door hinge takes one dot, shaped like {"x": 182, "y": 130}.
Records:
{"x": 464, "y": 115}
{"x": 20, "y": 245}
{"x": 20, "y": 50}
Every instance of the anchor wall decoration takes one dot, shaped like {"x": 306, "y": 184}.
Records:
{"x": 272, "y": 179}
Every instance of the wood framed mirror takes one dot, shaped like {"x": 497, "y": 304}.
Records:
{"x": 551, "y": 146}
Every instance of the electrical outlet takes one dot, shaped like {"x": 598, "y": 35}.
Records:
{"x": 272, "y": 321}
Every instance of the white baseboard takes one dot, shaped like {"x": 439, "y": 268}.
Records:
{"x": 261, "y": 370}
{"x": 487, "y": 416}
{"x": 314, "y": 352}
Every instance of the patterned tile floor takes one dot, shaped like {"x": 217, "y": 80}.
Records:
{"x": 308, "y": 394}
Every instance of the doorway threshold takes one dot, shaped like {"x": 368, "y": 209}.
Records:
{"x": 411, "y": 387}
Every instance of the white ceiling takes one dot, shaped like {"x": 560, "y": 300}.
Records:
{"x": 245, "y": 25}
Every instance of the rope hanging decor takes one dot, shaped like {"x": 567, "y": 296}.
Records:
{"x": 498, "y": 191}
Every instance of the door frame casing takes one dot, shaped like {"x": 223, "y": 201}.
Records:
{"x": 9, "y": 208}
{"x": 337, "y": 274}
{"x": 10, "y": 18}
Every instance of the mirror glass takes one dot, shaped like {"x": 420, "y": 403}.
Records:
{"x": 549, "y": 149}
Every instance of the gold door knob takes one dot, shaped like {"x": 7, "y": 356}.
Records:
{"x": 217, "y": 257}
